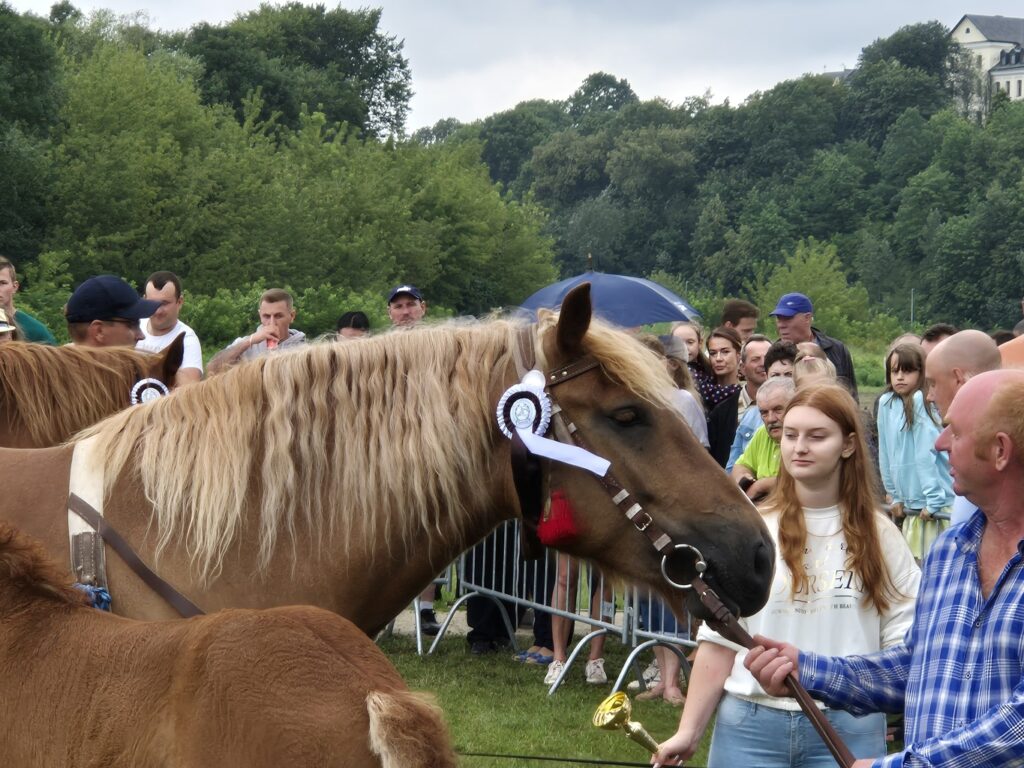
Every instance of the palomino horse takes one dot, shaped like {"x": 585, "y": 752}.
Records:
{"x": 294, "y": 686}
{"x": 347, "y": 475}
{"x": 47, "y": 394}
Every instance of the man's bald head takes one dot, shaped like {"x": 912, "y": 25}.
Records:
{"x": 1001, "y": 397}
{"x": 956, "y": 359}
{"x": 984, "y": 435}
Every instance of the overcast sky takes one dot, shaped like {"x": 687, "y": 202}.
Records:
{"x": 471, "y": 58}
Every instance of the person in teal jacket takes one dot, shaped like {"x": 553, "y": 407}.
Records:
{"x": 915, "y": 475}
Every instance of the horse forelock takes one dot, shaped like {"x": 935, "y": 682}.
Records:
{"x": 28, "y": 572}
{"x": 622, "y": 357}
{"x": 53, "y": 392}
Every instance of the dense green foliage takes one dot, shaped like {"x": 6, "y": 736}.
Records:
{"x": 893, "y": 172}
{"x": 270, "y": 151}
{"x": 122, "y": 156}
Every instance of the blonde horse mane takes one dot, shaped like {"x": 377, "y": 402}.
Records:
{"x": 56, "y": 391}
{"x": 387, "y": 433}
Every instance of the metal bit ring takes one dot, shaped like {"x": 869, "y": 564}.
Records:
{"x": 699, "y": 565}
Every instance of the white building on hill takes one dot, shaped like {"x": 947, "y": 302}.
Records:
{"x": 995, "y": 43}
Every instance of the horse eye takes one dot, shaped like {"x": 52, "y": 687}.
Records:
{"x": 626, "y": 417}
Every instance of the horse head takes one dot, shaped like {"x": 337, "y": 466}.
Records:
{"x": 654, "y": 456}
{"x": 47, "y": 394}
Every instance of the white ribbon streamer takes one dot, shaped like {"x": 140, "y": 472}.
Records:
{"x": 566, "y": 454}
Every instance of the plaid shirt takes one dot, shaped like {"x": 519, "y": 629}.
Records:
{"x": 959, "y": 671}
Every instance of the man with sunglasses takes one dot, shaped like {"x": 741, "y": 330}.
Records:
{"x": 105, "y": 311}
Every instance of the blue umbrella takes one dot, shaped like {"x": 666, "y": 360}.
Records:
{"x": 620, "y": 299}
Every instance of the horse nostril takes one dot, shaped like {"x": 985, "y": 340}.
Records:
{"x": 764, "y": 561}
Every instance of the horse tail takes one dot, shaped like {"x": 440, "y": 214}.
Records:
{"x": 407, "y": 730}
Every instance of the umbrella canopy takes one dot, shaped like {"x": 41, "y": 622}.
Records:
{"x": 620, "y": 299}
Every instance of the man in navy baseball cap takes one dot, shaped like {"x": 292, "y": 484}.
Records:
{"x": 105, "y": 311}
{"x": 794, "y": 315}
{"x": 793, "y": 304}
{"x": 406, "y": 306}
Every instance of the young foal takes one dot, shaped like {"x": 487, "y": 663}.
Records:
{"x": 295, "y": 686}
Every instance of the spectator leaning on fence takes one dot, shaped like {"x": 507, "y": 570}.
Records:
{"x": 277, "y": 313}
{"x": 757, "y": 468}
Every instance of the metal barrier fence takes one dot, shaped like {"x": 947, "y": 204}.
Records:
{"x": 563, "y": 588}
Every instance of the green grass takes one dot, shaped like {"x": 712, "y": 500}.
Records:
{"x": 496, "y": 705}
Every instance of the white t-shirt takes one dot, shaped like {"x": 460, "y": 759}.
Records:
{"x": 832, "y": 615}
{"x": 193, "y": 357}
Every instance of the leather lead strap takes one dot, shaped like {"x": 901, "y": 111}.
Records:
{"x": 726, "y": 625}
{"x": 178, "y": 601}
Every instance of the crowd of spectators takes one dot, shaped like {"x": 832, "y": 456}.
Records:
{"x": 861, "y": 500}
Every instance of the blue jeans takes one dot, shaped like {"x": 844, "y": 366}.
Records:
{"x": 748, "y": 734}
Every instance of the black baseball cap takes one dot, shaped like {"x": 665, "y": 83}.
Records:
{"x": 106, "y": 297}
{"x": 412, "y": 290}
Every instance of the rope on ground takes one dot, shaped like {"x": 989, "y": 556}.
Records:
{"x": 551, "y": 759}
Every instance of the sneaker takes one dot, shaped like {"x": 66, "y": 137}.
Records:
{"x": 428, "y": 622}
{"x": 554, "y": 672}
{"x": 595, "y": 672}
{"x": 651, "y": 675}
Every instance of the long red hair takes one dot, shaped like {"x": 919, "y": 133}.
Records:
{"x": 859, "y": 501}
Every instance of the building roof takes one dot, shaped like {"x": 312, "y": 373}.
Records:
{"x": 1010, "y": 60}
{"x": 998, "y": 29}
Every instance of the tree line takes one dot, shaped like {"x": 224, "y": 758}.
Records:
{"x": 272, "y": 150}
{"x": 904, "y": 174}
{"x": 263, "y": 152}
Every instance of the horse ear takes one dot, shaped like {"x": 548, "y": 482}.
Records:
{"x": 574, "y": 319}
{"x": 171, "y": 359}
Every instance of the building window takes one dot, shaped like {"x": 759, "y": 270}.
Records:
{"x": 967, "y": 30}
{"x": 979, "y": 62}
{"x": 1018, "y": 89}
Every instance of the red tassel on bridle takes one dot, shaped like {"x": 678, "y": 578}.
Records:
{"x": 557, "y": 525}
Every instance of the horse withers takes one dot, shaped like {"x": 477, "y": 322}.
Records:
{"x": 47, "y": 394}
{"x": 295, "y": 686}
{"x": 348, "y": 475}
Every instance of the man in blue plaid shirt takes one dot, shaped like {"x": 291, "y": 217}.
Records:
{"x": 959, "y": 673}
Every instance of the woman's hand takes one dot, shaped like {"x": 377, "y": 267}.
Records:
{"x": 675, "y": 750}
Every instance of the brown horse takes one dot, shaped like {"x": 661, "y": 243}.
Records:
{"x": 47, "y": 394}
{"x": 347, "y": 475}
{"x": 295, "y": 686}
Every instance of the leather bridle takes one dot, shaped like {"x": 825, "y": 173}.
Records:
{"x": 723, "y": 621}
